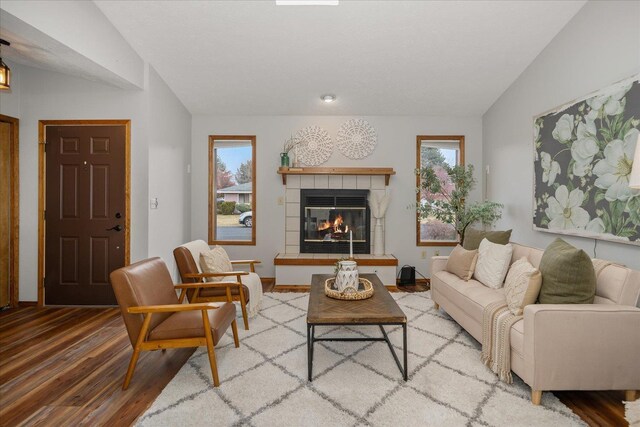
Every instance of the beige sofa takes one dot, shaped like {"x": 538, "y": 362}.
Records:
{"x": 559, "y": 346}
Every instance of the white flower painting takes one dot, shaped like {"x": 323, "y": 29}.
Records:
{"x": 582, "y": 162}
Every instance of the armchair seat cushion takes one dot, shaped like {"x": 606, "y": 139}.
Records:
{"x": 188, "y": 324}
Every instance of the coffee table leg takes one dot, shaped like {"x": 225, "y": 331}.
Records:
{"x": 309, "y": 351}
{"x": 404, "y": 347}
{"x": 313, "y": 340}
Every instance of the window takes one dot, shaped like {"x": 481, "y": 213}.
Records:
{"x": 438, "y": 152}
{"x": 232, "y": 190}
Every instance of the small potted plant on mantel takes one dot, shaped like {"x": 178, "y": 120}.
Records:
{"x": 446, "y": 194}
{"x": 289, "y": 145}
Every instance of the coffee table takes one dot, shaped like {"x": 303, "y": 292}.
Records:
{"x": 381, "y": 310}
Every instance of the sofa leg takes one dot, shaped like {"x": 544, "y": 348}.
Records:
{"x": 630, "y": 395}
{"x": 536, "y": 396}
{"x": 436, "y": 306}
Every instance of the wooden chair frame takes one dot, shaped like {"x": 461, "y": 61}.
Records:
{"x": 240, "y": 297}
{"x": 143, "y": 344}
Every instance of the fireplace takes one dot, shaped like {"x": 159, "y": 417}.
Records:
{"x": 328, "y": 216}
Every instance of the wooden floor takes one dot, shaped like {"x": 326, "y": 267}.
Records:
{"x": 65, "y": 366}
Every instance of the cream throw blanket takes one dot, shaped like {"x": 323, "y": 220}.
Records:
{"x": 253, "y": 282}
{"x": 497, "y": 321}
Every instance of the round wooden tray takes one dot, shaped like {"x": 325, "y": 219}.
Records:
{"x": 365, "y": 290}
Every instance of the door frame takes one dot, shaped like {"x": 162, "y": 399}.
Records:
{"x": 14, "y": 237}
{"x": 42, "y": 174}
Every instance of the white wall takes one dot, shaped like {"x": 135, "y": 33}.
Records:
{"x": 599, "y": 46}
{"x": 396, "y": 148}
{"x": 45, "y": 95}
{"x": 169, "y": 153}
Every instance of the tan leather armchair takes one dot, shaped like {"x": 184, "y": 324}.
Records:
{"x": 191, "y": 273}
{"x": 156, "y": 318}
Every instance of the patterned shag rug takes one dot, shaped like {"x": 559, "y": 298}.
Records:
{"x": 263, "y": 383}
{"x": 632, "y": 413}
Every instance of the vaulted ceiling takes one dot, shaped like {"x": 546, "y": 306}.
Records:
{"x": 378, "y": 57}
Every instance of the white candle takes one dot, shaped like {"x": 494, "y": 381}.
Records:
{"x": 350, "y": 244}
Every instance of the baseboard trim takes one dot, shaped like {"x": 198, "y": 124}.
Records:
{"x": 268, "y": 280}
{"x": 27, "y": 303}
{"x": 291, "y": 288}
{"x": 418, "y": 282}
{"x": 307, "y": 288}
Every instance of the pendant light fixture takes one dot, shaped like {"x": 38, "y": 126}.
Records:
{"x": 5, "y": 72}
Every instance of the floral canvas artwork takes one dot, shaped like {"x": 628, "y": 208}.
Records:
{"x": 583, "y": 159}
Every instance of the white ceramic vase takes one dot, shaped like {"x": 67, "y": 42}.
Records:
{"x": 378, "y": 238}
{"x": 347, "y": 275}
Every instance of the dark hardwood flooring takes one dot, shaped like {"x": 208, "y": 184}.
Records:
{"x": 65, "y": 366}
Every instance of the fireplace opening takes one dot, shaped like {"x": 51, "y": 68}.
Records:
{"x": 328, "y": 217}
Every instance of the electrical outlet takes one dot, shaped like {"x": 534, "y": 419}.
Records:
{"x": 423, "y": 254}
{"x": 154, "y": 203}
{"x": 280, "y": 201}
{"x": 437, "y": 253}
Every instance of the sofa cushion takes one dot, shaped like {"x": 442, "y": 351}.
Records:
{"x": 568, "y": 276}
{"x": 493, "y": 263}
{"x": 471, "y": 296}
{"x": 473, "y": 237}
{"x": 533, "y": 255}
{"x": 462, "y": 262}
{"x": 522, "y": 285}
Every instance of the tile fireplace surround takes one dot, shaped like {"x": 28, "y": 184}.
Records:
{"x": 295, "y": 183}
{"x": 289, "y": 272}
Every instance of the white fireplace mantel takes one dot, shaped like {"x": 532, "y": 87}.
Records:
{"x": 386, "y": 172}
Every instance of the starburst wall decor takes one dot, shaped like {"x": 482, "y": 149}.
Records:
{"x": 356, "y": 139}
{"x": 583, "y": 159}
{"x": 314, "y": 147}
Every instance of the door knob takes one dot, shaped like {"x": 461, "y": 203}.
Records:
{"x": 115, "y": 228}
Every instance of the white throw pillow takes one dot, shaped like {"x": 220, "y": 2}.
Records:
{"x": 215, "y": 261}
{"x": 493, "y": 263}
{"x": 522, "y": 285}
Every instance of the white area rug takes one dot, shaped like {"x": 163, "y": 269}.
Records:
{"x": 263, "y": 383}
{"x": 632, "y": 413}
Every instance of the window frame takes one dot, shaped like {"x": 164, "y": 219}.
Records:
{"x": 419, "y": 141}
{"x": 212, "y": 199}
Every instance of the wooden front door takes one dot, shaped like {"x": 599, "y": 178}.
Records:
{"x": 85, "y": 211}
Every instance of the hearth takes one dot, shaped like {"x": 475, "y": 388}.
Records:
{"x": 328, "y": 216}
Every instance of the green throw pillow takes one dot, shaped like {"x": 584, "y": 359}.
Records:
{"x": 568, "y": 276}
{"x": 473, "y": 237}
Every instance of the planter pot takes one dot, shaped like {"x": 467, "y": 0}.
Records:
{"x": 284, "y": 159}
{"x": 347, "y": 276}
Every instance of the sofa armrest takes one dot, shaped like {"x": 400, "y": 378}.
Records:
{"x": 581, "y": 347}
{"x": 438, "y": 263}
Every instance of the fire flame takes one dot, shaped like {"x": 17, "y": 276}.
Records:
{"x": 335, "y": 225}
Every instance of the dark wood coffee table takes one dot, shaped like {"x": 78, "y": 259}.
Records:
{"x": 381, "y": 309}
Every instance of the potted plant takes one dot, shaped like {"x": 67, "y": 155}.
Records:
{"x": 446, "y": 188}
{"x": 289, "y": 145}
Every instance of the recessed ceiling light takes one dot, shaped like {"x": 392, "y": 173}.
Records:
{"x": 328, "y": 98}
{"x": 307, "y": 2}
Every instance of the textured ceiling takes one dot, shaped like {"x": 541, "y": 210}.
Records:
{"x": 379, "y": 58}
